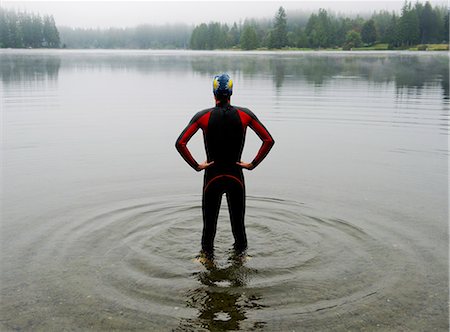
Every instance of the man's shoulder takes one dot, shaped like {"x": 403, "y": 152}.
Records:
{"x": 246, "y": 111}
{"x": 199, "y": 114}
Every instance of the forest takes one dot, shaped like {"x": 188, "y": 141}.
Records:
{"x": 169, "y": 36}
{"x": 417, "y": 24}
{"x": 23, "y": 30}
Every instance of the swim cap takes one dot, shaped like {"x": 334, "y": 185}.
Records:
{"x": 222, "y": 86}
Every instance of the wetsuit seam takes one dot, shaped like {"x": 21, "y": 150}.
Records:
{"x": 220, "y": 176}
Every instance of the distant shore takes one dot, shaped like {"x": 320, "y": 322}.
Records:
{"x": 376, "y": 47}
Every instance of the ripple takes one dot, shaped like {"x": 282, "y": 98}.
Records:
{"x": 134, "y": 260}
{"x": 139, "y": 256}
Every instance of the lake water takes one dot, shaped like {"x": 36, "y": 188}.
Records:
{"x": 347, "y": 217}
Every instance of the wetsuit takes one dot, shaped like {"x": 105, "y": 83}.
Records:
{"x": 224, "y": 128}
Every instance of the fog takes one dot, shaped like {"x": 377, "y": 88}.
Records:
{"x": 104, "y": 14}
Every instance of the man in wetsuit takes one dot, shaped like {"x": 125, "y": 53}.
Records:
{"x": 224, "y": 127}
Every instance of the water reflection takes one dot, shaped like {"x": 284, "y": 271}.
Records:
{"x": 22, "y": 68}
{"x": 278, "y": 73}
{"x": 223, "y": 301}
{"x": 407, "y": 70}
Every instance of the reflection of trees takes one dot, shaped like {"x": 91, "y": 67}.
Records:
{"x": 279, "y": 72}
{"x": 406, "y": 70}
{"x": 18, "y": 67}
{"x": 222, "y": 300}
{"x": 316, "y": 70}
{"x": 140, "y": 61}
{"x": 445, "y": 83}
{"x": 409, "y": 71}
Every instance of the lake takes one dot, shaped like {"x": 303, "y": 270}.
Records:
{"x": 347, "y": 217}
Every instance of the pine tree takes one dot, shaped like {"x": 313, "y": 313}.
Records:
{"x": 382, "y": 21}
{"x": 368, "y": 32}
{"x": 278, "y": 36}
{"x": 249, "y": 38}
{"x": 408, "y": 25}
{"x": 318, "y": 29}
{"x": 234, "y": 35}
{"x": 446, "y": 27}
{"x": 50, "y": 32}
{"x": 4, "y": 33}
{"x": 428, "y": 27}
{"x": 199, "y": 37}
{"x": 37, "y": 35}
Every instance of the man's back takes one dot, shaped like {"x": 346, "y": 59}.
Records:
{"x": 224, "y": 137}
{"x": 224, "y": 128}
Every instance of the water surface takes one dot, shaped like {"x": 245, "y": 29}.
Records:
{"x": 346, "y": 218}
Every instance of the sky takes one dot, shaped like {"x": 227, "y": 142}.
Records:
{"x": 104, "y": 14}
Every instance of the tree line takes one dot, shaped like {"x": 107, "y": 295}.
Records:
{"x": 416, "y": 24}
{"x": 24, "y": 30}
{"x": 170, "y": 36}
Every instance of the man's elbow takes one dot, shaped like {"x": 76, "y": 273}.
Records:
{"x": 178, "y": 145}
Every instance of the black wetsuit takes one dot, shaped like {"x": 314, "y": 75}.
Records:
{"x": 224, "y": 128}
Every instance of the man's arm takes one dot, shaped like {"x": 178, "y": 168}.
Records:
{"x": 264, "y": 135}
{"x": 181, "y": 144}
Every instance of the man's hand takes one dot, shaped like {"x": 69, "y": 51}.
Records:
{"x": 204, "y": 165}
{"x": 248, "y": 166}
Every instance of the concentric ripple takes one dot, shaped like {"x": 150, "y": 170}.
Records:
{"x": 136, "y": 263}
{"x": 133, "y": 261}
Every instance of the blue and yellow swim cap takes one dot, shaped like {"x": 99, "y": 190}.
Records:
{"x": 222, "y": 86}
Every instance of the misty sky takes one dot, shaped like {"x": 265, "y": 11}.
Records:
{"x": 105, "y": 14}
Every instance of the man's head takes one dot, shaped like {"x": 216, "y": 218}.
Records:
{"x": 222, "y": 87}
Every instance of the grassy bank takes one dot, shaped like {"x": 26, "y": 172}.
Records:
{"x": 376, "y": 47}
{"x": 421, "y": 47}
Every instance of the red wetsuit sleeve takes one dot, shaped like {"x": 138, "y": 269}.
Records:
{"x": 249, "y": 119}
{"x": 197, "y": 122}
{"x": 267, "y": 140}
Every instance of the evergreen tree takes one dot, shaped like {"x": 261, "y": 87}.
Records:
{"x": 4, "y": 33}
{"x": 369, "y": 32}
{"x": 216, "y": 37}
{"x": 26, "y": 23}
{"x": 16, "y": 30}
{"x": 318, "y": 30}
{"x": 234, "y": 35}
{"x": 302, "y": 39}
{"x": 37, "y": 34}
{"x": 446, "y": 28}
{"x": 440, "y": 14}
{"x": 382, "y": 20}
{"x": 291, "y": 39}
{"x": 428, "y": 23}
{"x": 278, "y": 36}
{"x": 249, "y": 38}
{"x": 392, "y": 32}
{"x": 199, "y": 37}
{"x": 343, "y": 26}
{"x": 408, "y": 27}
{"x": 297, "y": 37}
{"x": 50, "y": 32}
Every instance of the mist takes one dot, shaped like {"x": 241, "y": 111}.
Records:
{"x": 119, "y": 14}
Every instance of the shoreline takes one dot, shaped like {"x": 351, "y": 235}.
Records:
{"x": 376, "y": 48}
{"x": 240, "y": 51}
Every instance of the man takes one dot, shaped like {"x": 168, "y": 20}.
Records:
{"x": 224, "y": 127}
